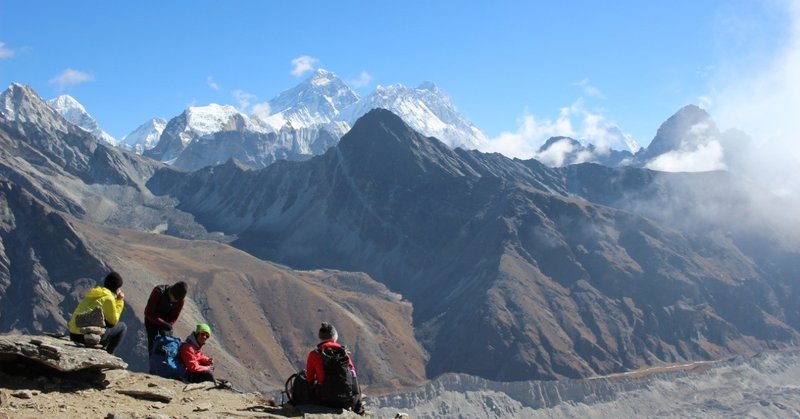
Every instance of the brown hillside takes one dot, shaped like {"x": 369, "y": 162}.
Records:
{"x": 264, "y": 316}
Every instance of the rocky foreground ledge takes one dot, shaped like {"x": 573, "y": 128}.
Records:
{"x": 48, "y": 377}
{"x": 59, "y": 354}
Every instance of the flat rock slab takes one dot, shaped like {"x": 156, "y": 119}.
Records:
{"x": 59, "y": 354}
{"x": 206, "y": 385}
{"x": 157, "y": 394}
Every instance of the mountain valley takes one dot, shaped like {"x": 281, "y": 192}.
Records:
{"x": 429, "y": 259}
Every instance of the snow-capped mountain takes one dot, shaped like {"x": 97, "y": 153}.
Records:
{"x": 304, "y": 121}
{"x": 316, "y": 101}
{"x": 145, "y": 137}
{"x": 325, "y": 100}
{"x": 427, "y": 109}
{"x": 204, "y": 120}
{"x": 197, "y": 122}
{"x": 689, "y": 128}
{"x": 75, "y": 113}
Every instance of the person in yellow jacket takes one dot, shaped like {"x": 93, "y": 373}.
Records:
{"x": 111, "y": 299}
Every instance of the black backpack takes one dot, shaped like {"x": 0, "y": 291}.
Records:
{"x": 336, "y": 390}
{"x": 298, "y": 390}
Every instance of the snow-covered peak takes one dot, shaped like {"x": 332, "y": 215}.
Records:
{"x": 317, "y": 100}
{"x": 322, "y": 77}
{"x": 22, "y": 105}
{"x": 145, "y": 136}
{"x": 65, "y": 103}
{"x": 75, "y": 113}
{"x": 7, "y": 106}
{"x": 210, "y": 118}
{"x": 427, "y": 109}
{"x": 213, "y": 118}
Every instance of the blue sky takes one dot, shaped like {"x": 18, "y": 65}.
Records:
{"x": 516, "y": 69}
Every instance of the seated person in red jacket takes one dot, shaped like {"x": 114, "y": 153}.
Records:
{"x": 340, "y": 390}
{"x": 199, "y": 367}
{"x": 162, "y": 310}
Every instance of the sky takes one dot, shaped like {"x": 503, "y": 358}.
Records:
{"x": 519, "y": 70}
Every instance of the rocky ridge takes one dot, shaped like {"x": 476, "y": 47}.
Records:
{"x": 41, "y": 375}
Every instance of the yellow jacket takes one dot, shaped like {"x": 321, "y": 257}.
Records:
{"x": 98, "y": 297}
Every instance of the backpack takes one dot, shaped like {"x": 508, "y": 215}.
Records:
{"x": 164, "y": 359}
{"x": 336, "y": 390}
{"x": 298, "y": 390}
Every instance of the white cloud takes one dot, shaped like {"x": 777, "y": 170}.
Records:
{"x": 363, "y": 80}
{"x": 243, "y": 99}
{"x": 211, "y": 83}
{"x": 70, "y": 77}
{"x": 530, "y": 135}
{"x": 764, "y": 103}
{"x": 706, "y": 157}
{"x": 599, "y": 132}
{"x": 245, "y": 104}
{"x": 588, "y": 89}
{"x": 302, "y": 64}
{"x": 532, "y": 132}
{"x": 261, "y": 110}
{"x": 557, "y": 153}
{"x": 5, "y": 52}
{"x": 704, "y": 102}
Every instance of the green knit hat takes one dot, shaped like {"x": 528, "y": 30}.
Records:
{"x": 203, "y": 328}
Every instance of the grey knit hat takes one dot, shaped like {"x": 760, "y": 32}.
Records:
{"x": 327, "y": 332}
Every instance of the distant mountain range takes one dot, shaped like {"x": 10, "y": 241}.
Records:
{"x": 429, "y": 259}
{"x": 311, "y": 117}
{"x": 303, "y": 121}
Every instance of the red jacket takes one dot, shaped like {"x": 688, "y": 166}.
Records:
{"x": 192, "y": 357}
{"x": 314, "y": 369}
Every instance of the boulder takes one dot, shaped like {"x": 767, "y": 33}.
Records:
{"x": 59, "y": 354}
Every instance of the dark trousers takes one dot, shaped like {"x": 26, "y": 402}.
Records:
{"x": 152, "y": 331}
{"x": 319, "y": 398}
{"x": 111, "y": 337}
{"x": 199, "y": 377}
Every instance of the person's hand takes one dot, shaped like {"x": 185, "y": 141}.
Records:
{"x": 120, "y": 294}
{"x": 167, "y": 326}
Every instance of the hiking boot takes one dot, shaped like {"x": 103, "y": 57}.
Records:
{"x": 359, "y": 408}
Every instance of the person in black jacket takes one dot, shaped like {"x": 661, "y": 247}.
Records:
{"x": 162, "y": 310}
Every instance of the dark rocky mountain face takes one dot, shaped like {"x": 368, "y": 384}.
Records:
{"x": 512, "y": 277}
{"x": 47, "y": 134}
{"x": 38, "y": 244}
{"x": 169, "y": 145}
